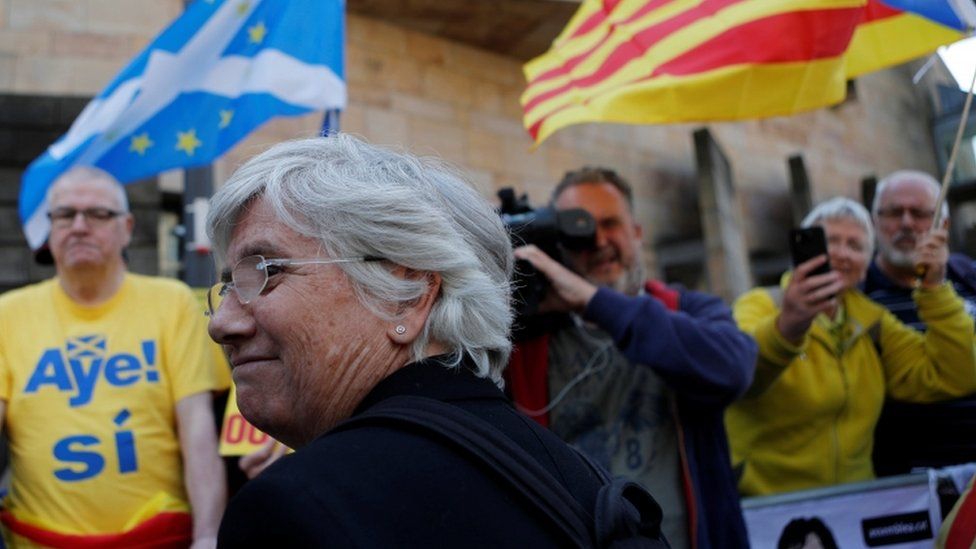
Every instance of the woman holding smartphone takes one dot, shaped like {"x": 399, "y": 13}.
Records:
{"x": 828, "y": 356}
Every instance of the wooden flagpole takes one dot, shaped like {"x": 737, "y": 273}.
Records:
{"x": 944, "y": 190}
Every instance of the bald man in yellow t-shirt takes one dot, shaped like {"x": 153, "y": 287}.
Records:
{"x": 105, "y": 390}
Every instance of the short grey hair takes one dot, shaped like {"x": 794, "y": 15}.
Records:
{"x": 357, "y": 200}
{"x": 908, "y": 175}
{"x": 841, "y": 207}
{"x": 89, "y": 173}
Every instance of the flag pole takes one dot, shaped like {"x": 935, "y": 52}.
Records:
{"x": 937, "y": 219}
{"x": 944, "y": 190}
{"x": 198, "y": 269}
{"x": 330, "y": 123}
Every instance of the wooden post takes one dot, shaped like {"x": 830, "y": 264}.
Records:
{"x": 801, "y": 201}
{"x": 868, "y": 186}
{"x": 726, "y": 259}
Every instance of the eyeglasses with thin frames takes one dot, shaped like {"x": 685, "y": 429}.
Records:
{"x": 896, "y": 212}
{"x": 250, "y": 275}
{"x": 65, "y": 217}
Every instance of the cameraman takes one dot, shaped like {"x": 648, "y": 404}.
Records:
{"x": 636, "y": 374}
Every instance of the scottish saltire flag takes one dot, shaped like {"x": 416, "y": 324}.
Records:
{"x": 217, "y": 73}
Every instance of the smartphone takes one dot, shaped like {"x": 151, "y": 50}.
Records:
{"x": 806, "y": 244}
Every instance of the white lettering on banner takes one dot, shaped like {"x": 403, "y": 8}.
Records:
{"x": 83, "y": 361}
{"x": 897, "y": 529}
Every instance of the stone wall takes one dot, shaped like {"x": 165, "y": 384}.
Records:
{"x": 438, "y": 97}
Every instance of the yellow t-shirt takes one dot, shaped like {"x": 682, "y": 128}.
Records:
{"x": 91, "y": 395}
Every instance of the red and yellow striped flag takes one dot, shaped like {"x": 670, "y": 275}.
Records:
{"x": 658, "y": 61}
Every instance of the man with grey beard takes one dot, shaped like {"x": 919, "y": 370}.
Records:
{"x": 916, "y": 435}
{"x": 903, "y": 209}
{"x": 634, "y": 373}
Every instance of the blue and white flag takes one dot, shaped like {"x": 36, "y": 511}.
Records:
{"x": 218, "y": 72}
{"x": 956, "y": 14}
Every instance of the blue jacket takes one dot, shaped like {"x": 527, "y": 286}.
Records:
{"x": 698, "y": 351}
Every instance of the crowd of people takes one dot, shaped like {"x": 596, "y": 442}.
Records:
{"x": 364, "y": 305}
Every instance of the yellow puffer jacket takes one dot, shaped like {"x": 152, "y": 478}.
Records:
{"x": 808, "y": 419}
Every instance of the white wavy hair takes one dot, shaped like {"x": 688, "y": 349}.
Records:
{"x": 841, "y": 207}
{"x": 358, "y": 200}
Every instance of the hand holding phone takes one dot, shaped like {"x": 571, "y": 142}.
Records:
{"x": 804, "y": 298}
{"x": 808, "y": 243}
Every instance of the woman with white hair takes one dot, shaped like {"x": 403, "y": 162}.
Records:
{"x": 828, "y": 355}
{"x": 361, "y": 280}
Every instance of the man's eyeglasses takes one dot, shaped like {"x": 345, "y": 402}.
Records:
{"x": 250, "y": 275}
{"x": 896, "y": 212}
{"x": 64, "y": 217}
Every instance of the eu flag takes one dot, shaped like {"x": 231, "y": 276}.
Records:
{"x": 214, "y": 75}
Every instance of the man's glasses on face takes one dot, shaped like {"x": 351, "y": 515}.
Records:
{"x": 65, "y": 217}
{"x": 897, "y": 212}
{"x": 250, "y": 275}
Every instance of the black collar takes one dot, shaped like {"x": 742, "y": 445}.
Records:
{"x": 432, "y": 378}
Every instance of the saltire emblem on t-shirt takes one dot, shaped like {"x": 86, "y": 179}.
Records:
{"x": 86, "y": 346}
{"x": 77, "y": 368}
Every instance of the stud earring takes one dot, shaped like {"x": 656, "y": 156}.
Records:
{"x": 400, "y": 329}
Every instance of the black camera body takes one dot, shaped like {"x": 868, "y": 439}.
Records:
{"x": 554, "y": 232}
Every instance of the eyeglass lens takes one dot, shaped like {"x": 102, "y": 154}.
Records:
{"x": 915, "y": 213}
{"x": 68, "y": 215}
{"x": 248, "y": 278}
{"x": 213, "y": 298}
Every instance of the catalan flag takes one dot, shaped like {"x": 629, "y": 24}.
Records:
{"x": 659, "y": 61}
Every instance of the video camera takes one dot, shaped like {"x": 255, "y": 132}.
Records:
{"x": 553, "y": 231}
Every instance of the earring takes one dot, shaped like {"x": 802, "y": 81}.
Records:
{"x": 400, "y": 329}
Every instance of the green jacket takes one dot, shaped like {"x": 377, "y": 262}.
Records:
{"x": 808, "y": 418}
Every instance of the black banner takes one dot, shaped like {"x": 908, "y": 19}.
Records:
{"x": 892, "y": 529}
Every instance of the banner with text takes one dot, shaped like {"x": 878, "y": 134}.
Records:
{"x": 903, "y": 512}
